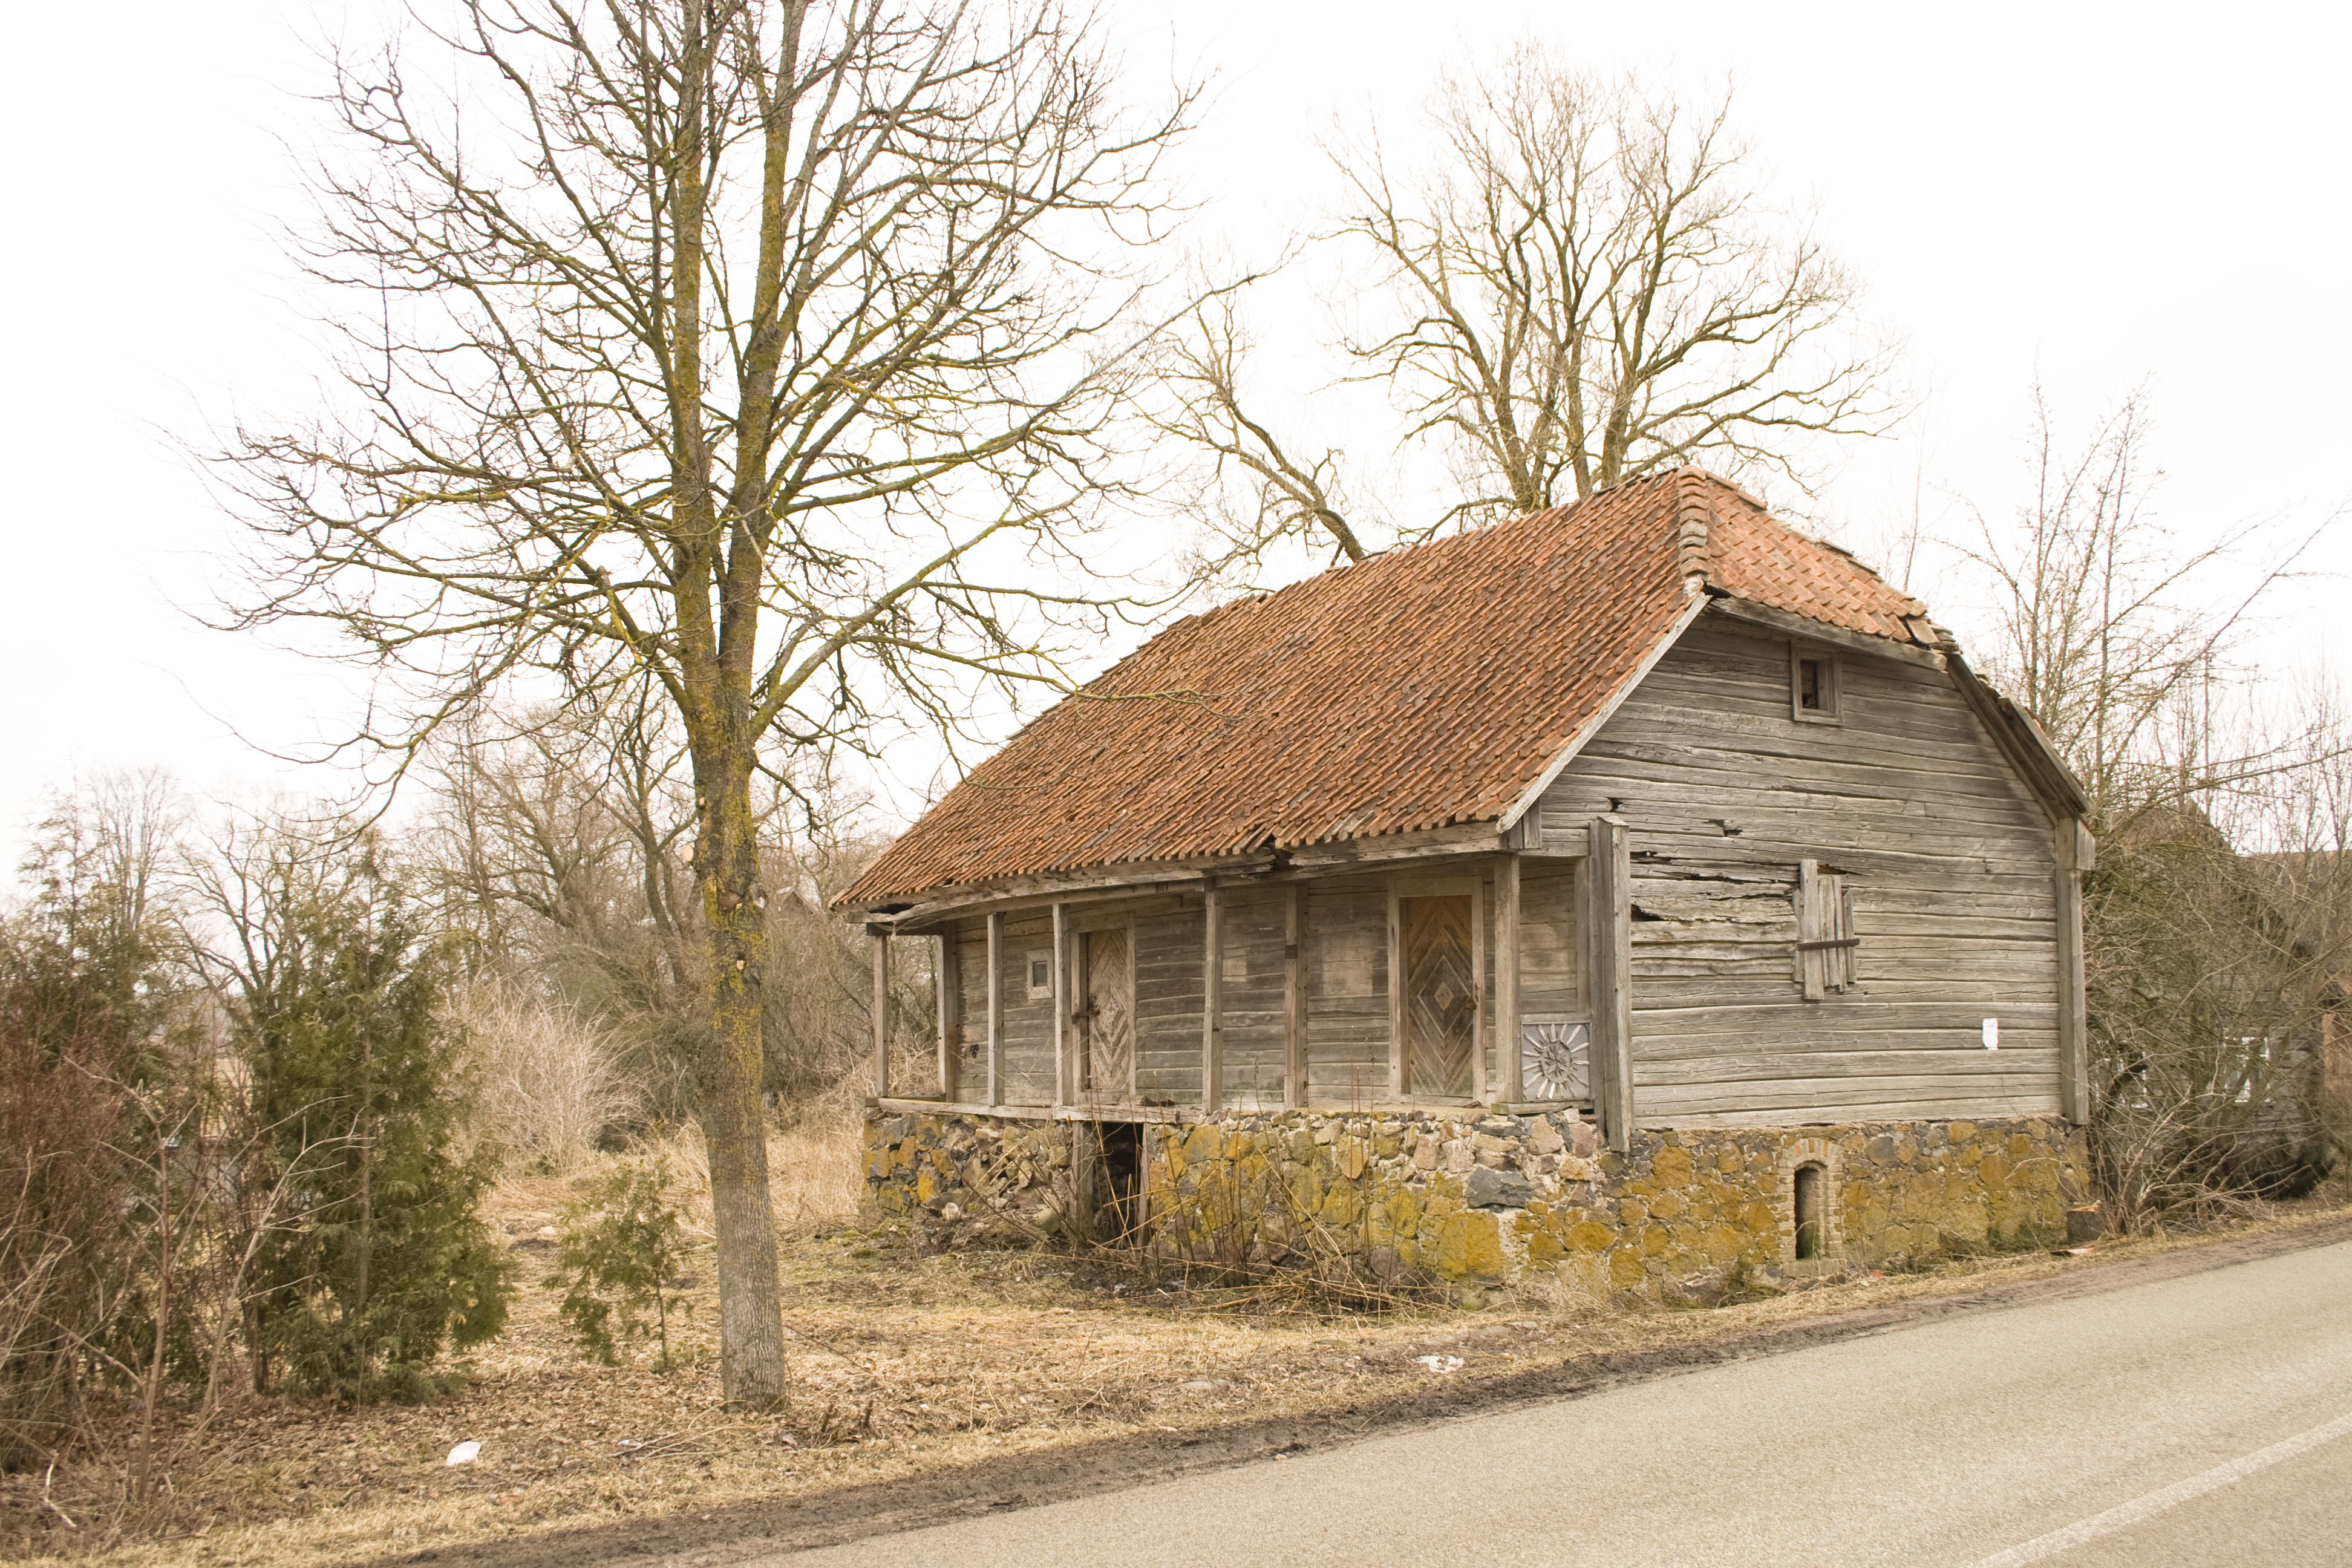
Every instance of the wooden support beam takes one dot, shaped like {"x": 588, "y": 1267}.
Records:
{"x": 996, "y": 1008}
{"x": 1510, "y": 1084}
{"x": 2075, "y": 854}
{"x": 1065, "y": 1081}
{"x": 1613, "y": 979}
{"x": 881, "y": 1016}
{"x": 1212, "y": 1001}
{"x": 1294, "y": 998}
{"x": 949, "y": 979}
{"x": 1482, "y": 989}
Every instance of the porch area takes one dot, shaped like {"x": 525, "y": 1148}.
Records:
{"x": 1446, "y": 984}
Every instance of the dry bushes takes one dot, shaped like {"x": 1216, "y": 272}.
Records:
{"x": 547, "y": 1085}
{"x": 63, "y": 1217}
{"x": 2213, "y": 979}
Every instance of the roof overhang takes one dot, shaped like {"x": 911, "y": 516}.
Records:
{"x": 1091, "y": 884}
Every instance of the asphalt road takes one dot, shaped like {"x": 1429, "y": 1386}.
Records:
{"x": 2204, "y": 1419}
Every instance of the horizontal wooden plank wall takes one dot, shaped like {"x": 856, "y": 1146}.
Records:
{"x": 1169, "y": 963}
{"x": 1552, "y": 956}
{"x": 1948, "y": 860}
{"x": 1346, "y": 956}
{"x": 971, "y": 940}
{"x": 1028, "y": 1024}
{"x": 1254, "y": 993}
{"x": 1344, "y": 967}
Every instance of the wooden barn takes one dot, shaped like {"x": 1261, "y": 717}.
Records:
{"x": 1639, "y": 888}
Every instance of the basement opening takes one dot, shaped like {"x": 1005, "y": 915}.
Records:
{"x": 1119, "y": 1183}
{"x": 1812, "y": 1212}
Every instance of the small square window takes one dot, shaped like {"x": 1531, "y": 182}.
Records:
{"x": 1040, "y": 975}
{"x": 1813, "y": 681}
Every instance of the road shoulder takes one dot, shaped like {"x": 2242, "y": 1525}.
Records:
{"x": 1522, "y": 1376}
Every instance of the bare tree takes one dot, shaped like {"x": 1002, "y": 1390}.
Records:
{"x": 1286, "y": 495}
{"x": 557, "y": 844}
{"x": 1592, "y": 287}
{"x": 1585, "y": 283}
{"x": 748, "y": 346}
{"x": 2214, "y": 978}
{"x": 2216, "y": 931}
{"x": 2111, "y": 637}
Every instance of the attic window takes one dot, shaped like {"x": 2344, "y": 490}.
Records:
{"x": 1814, "y": 685}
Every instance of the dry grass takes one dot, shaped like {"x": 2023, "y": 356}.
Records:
{"x": 905, "y": 1367}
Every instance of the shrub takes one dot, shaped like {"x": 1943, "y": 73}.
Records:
{"x": 2281, "y": 1167}
{"x": 81, "y": 985}
{"x": 546, "y": 1086}
{"x": 617, "y": 1257}
{"x": 384, "y": 1262}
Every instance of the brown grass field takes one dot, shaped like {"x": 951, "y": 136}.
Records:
{"x": 925, "y": 1377}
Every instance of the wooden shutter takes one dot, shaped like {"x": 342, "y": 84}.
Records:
{"x": 1827, "y": 943}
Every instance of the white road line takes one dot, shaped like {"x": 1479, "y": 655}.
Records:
{"x": 2123, "y": 1515}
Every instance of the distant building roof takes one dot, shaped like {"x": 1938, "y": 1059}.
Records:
{"x": 1420, "y": 688}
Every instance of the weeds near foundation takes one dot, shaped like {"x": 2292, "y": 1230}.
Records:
{"x": 1311, "y": 1264}
{"x": 1314, "y": 1268}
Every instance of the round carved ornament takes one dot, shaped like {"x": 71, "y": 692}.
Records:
{"x": 1557, "y": 1058}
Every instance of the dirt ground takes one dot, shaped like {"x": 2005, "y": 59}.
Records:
{"x": 928, "y": 1387}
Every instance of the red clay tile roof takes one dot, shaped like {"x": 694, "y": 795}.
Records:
{"x": 1417, "y": 690}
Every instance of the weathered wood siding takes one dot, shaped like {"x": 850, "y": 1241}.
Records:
{"x": 1346, "y": 952}
{"x": 1552, "y": 960}
{"x": 1254, "y": 993}
{"x": 1169, "y": 961}
{"x": 971, "y": 945}
{"x": 1551, "y": 952}
{"x": 1028, "y": 1024}
{"x": 1949, "y": 861}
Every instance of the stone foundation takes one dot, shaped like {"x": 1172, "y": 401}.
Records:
{"x": 1487, "y": 1199}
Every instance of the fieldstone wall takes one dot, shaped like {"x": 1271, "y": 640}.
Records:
{"x": 962, "y": 1177}
{"x": 1486, "y": 1199}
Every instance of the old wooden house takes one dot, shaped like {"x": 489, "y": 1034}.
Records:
{"x": 1639, "y": 889}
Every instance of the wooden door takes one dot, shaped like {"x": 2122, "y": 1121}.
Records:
{"x": 1108, "y": 1039}
{"x": 1439, "y": 994}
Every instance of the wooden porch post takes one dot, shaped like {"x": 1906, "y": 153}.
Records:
{"x": 1212, "y": 1002}
{"x": 996, "y": 1007}
{"x": 1512, "y": 1080}
{"x": 1294, "y": 998}
{"x": 881, "y": 1011}
{"x": 1613, "y": 979}
{"x": 949, "y": 980}
{"x": 2077, "y": 853}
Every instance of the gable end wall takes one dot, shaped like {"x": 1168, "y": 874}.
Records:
{"x": 1948, "y": 857}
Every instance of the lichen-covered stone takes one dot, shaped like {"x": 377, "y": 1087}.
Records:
{"x": 1483, "y": 1201}
{"x": 1469, "y": 1247}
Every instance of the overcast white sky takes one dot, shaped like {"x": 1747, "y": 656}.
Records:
{"x": 2099, "y": 192}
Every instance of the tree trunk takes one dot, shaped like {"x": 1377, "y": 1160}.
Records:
{"x": 751, "y": 1309}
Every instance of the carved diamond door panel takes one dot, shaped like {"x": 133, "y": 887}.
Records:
{"x": 1439, "y": 996}
{"x": 1108, "y": 1039}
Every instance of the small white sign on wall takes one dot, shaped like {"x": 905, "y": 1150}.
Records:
{"x": 1992, "y": 1033}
